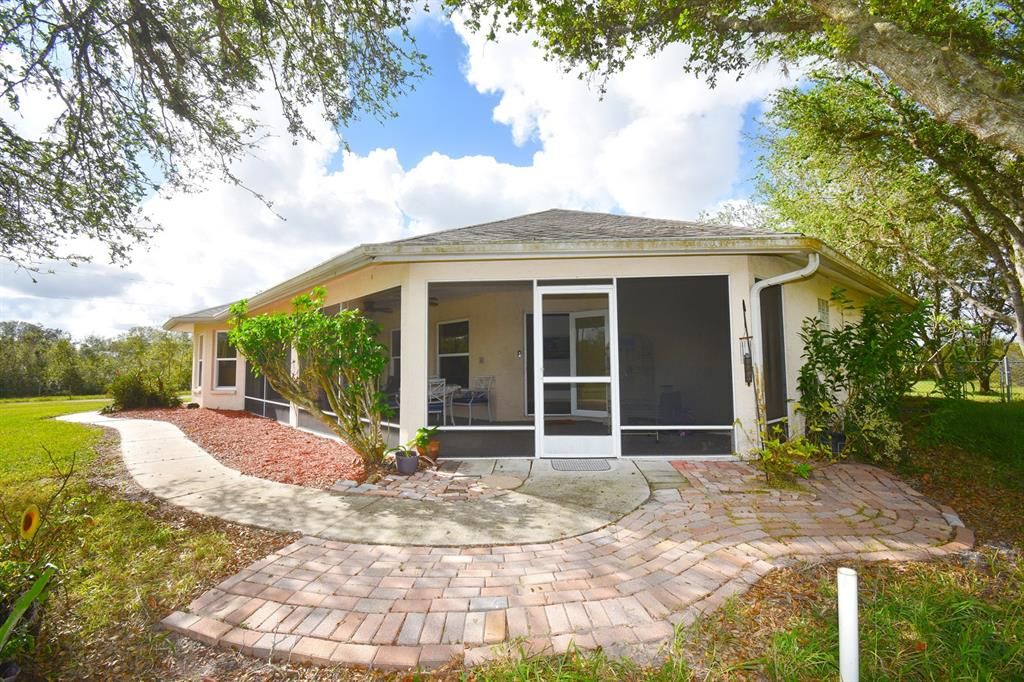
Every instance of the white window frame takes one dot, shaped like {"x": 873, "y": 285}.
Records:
{"x": 197, "y": 379}
{"x": 396, "y": 349}
{"x": 439, "y": 354}
{"x": 218, "y": 360}
{"x": 825, "y": 313}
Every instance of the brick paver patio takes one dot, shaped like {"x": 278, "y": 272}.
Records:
{"x": 623, "y": 587}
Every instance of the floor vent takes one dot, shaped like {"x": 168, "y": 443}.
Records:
{"x": 580, "y": 465}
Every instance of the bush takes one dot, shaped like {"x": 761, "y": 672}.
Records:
{"x": 138, "y": 389}
{"x": 873, "y": 434}
{"x": 782, "y": 459}
{"x": 855, "y": 375}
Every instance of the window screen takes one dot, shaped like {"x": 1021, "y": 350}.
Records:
{"x": 773, "y": 352}
{"x": 675, "y": 364}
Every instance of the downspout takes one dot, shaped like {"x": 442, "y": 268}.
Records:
{"x": 756, "y": 347}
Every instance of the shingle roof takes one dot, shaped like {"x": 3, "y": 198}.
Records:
{"x": 560, "y": 225}
{"x": 213, "y": 313}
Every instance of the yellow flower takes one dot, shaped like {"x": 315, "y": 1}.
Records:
{"x": 30, "y": 522}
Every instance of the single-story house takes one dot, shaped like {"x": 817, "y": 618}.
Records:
{"x": 566, "y": 333}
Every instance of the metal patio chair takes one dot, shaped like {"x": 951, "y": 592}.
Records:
{"x": 481, "y": 393}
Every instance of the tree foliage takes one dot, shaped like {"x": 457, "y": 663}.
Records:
{"x": 340, "y": 360}
{"x": 852, "y": 160}
{"x": 960, "y": 61}
{"x": 150, "y": 93}
{"x": 35, "y": 360}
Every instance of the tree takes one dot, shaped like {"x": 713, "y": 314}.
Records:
{"x": 854, "y": 161}
{"x": 962, "y": 62}
{"x": 62, "y": 374}
{"x": 39, "y": 361}
{"x": 161, "y": 93}
{"x": 340, "y": 360}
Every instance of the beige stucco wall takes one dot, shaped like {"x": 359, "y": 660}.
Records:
{"x": 799, "y": 302}
{"x": 211, "y": 396}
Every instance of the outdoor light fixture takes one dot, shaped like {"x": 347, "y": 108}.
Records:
{"x": 748, "y": 359}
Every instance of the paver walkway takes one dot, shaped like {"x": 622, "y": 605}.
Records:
{"x": 708, "y": 531}
{"x": 623, "y": 587}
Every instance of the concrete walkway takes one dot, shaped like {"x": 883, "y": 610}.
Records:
{"x": 549, "y": 506}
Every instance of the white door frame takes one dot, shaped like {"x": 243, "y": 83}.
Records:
{"x": 575, "y": 446}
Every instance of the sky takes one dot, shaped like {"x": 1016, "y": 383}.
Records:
{"x": 494, "y": 131}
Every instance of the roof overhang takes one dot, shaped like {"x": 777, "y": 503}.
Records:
{"x": 779, "y": 244}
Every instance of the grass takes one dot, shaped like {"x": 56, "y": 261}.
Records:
{"x": 926, "y": 389}
{"x": 54, "y": 398}
{"x": 918, "y": 621}
{"x": 970, "y": 455}
{"x": 124, "y": 565}
{"x": 995, "y": 431}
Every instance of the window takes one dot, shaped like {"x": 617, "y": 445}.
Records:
{"x": 453, "y": 352}
{"x": 396, "y": 352}
{"x": 197, "y": 380}
{"x": 227, "y": 358}
{"x": 823, "y": 316}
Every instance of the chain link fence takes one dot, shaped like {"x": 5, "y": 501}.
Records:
{"x": 1011, "y": 379}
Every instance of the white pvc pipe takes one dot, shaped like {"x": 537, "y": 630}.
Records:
{"x": 849, "y": 654}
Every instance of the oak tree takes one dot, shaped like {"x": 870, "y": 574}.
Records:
{"x": 161, "y": 93}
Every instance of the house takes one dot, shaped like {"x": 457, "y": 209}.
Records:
{"x": 584, "y": 334}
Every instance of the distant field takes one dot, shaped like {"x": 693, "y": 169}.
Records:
{"x": 927, "y": 389}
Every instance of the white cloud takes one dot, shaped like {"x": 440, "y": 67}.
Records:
{"x": 659, "y": 143}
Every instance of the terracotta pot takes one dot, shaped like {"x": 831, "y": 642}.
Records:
{"x": 434, "y": 449}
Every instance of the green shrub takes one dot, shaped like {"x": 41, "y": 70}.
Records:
{"x": 139, "y": 389}
{"x": 855, "y": 375}
{"x": 782, "y": 459}
{"x": 872, "y": 433}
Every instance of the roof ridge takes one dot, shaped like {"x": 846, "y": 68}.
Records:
{"x": 598, "y": 215}
{"x": 469, "y": 227}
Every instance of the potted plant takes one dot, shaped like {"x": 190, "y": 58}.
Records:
{"x": 406, "y": 460}
{"x": 407, "y": 456}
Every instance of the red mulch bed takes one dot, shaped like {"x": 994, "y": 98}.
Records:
{"x": 262, "y": 447}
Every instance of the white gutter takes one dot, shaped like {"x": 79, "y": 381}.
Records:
{"x": 813, "y": 261}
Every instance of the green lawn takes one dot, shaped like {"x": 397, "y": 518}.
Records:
{"x": 926, "y": 389}
{"x": 54, "y": 398}
{"x": 124, "y": 564}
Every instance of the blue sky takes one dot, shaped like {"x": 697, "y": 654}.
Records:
{"x": 444, "y": 113}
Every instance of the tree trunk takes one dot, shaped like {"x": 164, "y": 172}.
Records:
{"x": 985, "y": 381}
{"x": 953, "y": 86}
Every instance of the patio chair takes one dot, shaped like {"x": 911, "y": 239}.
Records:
{"x": 479, "y": 394}
{"x": 437, "y": 399}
